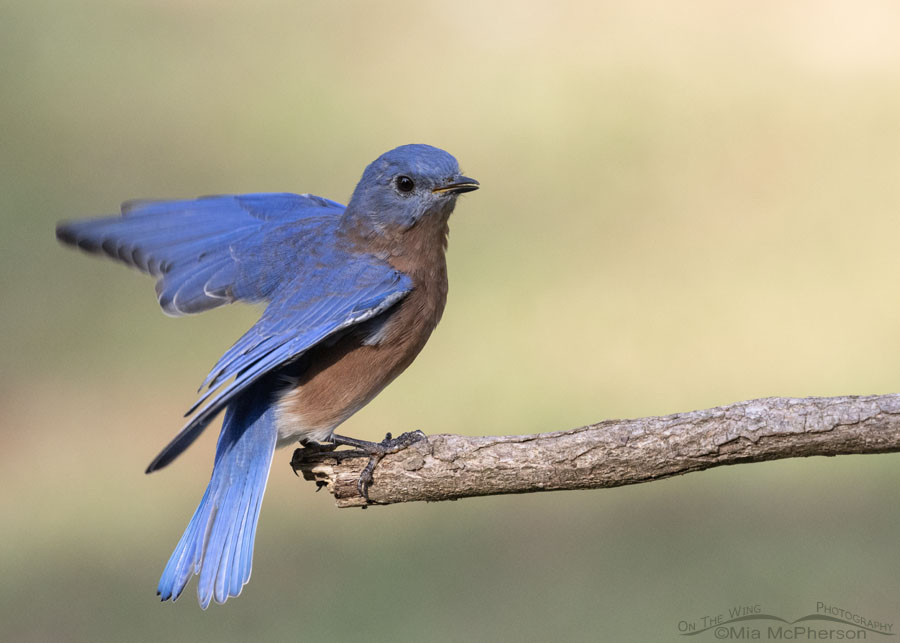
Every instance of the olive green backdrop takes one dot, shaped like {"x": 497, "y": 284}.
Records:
{"x": 683, "y": 205}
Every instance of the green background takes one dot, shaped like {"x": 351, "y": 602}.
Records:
{"x": 683, "y": 205}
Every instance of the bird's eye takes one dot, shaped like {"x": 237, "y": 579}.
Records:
{"x": 405, "y": 184}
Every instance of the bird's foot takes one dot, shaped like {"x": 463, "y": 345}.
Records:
{"x": 308, "y": 447}
{"x": 376, "y": 451}
{"x": 312, "y": 445}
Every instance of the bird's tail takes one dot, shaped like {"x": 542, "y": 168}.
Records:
{"x": 218, "y": 542}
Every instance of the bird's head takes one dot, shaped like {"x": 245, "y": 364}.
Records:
{"x": 408, "y": 184}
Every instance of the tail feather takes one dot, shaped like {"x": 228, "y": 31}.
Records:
{"x": 218, "y": 542}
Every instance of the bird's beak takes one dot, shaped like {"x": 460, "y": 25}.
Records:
{"x": 459, "y": 185}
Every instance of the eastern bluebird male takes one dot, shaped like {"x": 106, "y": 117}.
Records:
{"x": 352, "y": 293}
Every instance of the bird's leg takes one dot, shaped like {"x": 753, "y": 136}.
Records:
{"x": 376, "y": 451}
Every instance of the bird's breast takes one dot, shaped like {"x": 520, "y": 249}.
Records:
{"x": 341, "y": 378}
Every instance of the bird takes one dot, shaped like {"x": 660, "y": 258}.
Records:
{"x": 351, "y": 294}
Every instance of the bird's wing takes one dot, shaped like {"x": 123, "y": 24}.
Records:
{"x": 209, "y": 251}
{"x": 330, "y": 292}
{"x": 278, "y": 248}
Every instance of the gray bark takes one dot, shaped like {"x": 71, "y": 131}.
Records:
{"x": 613, "y": 452}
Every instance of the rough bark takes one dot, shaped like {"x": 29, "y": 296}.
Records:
{"x": 613, "y": 452}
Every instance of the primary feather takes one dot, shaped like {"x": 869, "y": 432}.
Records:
{"x": 210, "y": 251}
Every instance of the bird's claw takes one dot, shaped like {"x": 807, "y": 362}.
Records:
{"x": 376, "y": 452}
{"x": 308, "y": 447}
{"x": 317, "y": 446}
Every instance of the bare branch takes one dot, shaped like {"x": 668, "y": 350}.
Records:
{"x": 614, "y": 452}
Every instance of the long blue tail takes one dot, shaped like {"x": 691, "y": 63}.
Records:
{"x": 218, "y": 542}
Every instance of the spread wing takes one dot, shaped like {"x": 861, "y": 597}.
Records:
{"x": 279, "y": 248}
{"x": 210, "y": 251}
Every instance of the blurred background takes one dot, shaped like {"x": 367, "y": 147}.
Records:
{"x": 684, "y": 205}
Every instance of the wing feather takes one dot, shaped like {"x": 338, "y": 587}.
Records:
{"x": 284, "y": 249}
{"x": 210, "y": 251}
{"x": 322, "y": 303}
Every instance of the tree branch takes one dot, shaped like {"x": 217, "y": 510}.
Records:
{"x": 613, "y": 452}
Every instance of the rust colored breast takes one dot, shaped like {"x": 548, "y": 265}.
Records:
{"x": 343, "y": 377}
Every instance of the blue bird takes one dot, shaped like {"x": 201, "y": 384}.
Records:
{"x": 352, "y": 294}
